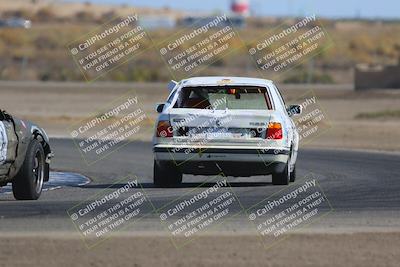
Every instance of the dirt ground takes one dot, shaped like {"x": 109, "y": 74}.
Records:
{"x": 358, "y": 249}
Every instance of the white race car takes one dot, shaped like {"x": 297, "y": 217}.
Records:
{"x": 225, "y": 125}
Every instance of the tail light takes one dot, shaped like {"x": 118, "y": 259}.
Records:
{"x": 274, "y": 131}
{"x": 164, "y": 129}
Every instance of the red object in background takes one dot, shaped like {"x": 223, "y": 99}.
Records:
{"x": 240, "y": 6}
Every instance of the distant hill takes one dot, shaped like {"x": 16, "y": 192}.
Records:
{"x": 67, "y": 9}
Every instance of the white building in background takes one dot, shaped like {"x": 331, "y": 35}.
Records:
{"x": 157, "y": 22}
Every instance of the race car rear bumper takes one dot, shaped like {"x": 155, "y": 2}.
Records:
{"x": 230, "y": 161}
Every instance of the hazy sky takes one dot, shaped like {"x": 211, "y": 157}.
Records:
{"x": 327, "y": 8}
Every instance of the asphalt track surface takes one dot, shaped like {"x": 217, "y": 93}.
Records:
{"x": 363, "y": 189}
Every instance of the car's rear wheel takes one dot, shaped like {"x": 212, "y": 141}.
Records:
{"x": 282, "y": 178}
{"x": 293, "y": 174}
{"x": 28, "y": 183}
{"x": 166, "y": 174}
{"x": 293, "y": 171}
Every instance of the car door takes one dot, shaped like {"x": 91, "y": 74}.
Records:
{"x": 3, "y": 149}
{"x": 8, "y": 145}
{"x": 293, "y": 128}
{"x": 3, "y": 144}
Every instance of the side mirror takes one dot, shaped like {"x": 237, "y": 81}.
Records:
{"x": 160, "y": 107}
{"x": 294, "y": 110}
{"x": 171, "y": 85}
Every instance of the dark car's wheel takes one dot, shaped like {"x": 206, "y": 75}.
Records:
{"x": 282, "y": 178}
{"x": 28, "y": 183}
{"x": 166, "y": 175}
{"x": 293, "y": 174}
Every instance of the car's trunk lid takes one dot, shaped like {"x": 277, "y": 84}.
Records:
{"x": 213, "y": 125}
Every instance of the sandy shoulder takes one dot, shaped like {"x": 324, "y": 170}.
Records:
{"x": 359, "y": 249}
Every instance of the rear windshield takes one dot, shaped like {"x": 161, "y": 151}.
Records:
{"x": 223, "y": 97}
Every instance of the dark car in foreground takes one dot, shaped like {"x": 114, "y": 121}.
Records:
{"x": 25, "y": 156}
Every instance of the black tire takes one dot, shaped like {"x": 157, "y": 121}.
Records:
{"x": 293, "y": 174}
{"x": 28, "y": 183}
{"x": 166, "y": 175}
{"x": 282, "y": 178}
